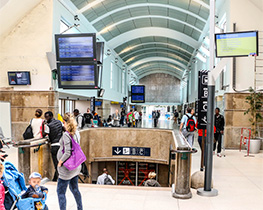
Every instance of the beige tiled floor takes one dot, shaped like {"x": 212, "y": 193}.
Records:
{"x": 238, "y": 179}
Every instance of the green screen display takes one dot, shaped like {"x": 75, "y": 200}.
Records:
{"x": 237, "y": 44}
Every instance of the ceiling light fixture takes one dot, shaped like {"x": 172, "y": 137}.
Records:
{"x": 88, "y": 6}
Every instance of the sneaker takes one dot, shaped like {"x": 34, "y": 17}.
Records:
{"x": 219, "y": 155}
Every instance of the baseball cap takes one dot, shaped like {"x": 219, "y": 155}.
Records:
{"x": 35, "y": 175}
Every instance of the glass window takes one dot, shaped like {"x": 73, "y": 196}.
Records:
{"x": 111, "y": 75}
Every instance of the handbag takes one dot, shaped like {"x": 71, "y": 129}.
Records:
{"x": 28, "y": 134}
{"x": 77, "y": 156}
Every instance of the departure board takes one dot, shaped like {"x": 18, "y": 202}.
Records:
{"x": 75, "y": 47}
{"x": 138, "y": 94}
{"x": 237, "y": 44}
{"x": 137, "y": 89}
{"x": 77, "y": 75}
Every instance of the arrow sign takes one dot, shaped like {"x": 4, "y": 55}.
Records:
{"x": 118, "y": 151}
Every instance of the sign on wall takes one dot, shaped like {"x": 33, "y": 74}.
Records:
{"x": 202, "y": 99}
{"x": 131, "y": 151}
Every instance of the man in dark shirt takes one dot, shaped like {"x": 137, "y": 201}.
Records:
{"x": 88, "y": 119}
{"x": 54, "y": 131}
{"x": 219, "y": 125}
{"x": 122, "y": 117}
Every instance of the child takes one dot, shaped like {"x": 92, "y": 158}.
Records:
{"x": 2, "y": 189}
{"x": 35, "y": 190}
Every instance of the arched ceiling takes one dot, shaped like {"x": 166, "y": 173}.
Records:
{"x": 149, "y": 35}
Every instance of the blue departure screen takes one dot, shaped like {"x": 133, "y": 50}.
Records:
{"x": 137, "y": 89}
{"x": 75, "y": 47}
{"x": 77, "y": 75}
{"x": 137, "y": 98}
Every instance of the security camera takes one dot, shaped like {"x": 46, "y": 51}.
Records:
{"x": 76, "y": 17}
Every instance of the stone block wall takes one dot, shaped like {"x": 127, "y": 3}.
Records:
{"x": 24, "y": 104}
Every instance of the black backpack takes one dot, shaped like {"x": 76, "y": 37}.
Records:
{"x": 28, "y": 134}
{"x": 82, "y": 122}
{"x": 190, "y": 125}
{"x": 107, "y": 181}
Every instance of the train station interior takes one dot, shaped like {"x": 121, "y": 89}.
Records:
{"x": 174, "y": 89}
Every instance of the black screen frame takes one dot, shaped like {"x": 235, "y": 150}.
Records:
{"x": 12, "y": 72}
{"x": 100, "y": 52}
{"x": 140, "y": 94}
{"x": 235, "y": 33}
{"x": 78, "y": 86}
{"x": 93, "y": 35}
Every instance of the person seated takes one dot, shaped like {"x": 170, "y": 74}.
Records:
{"x": 35, "y": 190}
{"x": 151, "y": 182}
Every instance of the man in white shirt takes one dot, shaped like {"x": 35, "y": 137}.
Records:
{"x": 136, "y": 116}
{"x": 102, "y": 178}
{"x": 78, "y": 118}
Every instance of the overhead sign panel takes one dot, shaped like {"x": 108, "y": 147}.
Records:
{"x": 237, "y": 44}
{"x": 131, "y": 151}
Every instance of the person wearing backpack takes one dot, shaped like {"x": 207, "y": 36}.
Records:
{"x": 105, "y": 178}
{"x": 79, "y": 119}
{"x": 130, "y": 118}
{"x": 88, "y": 119}
{"x": 188, "y": 126}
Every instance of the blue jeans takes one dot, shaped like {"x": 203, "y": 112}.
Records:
{"x": 74, "y": 188}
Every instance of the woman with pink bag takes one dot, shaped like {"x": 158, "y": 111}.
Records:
{"x": 66, "y": 176}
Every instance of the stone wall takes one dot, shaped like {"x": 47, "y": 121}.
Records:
{"x": 235, "y": 106}
{"x": 24, "y": 104}
{"x": 161, "y": 88}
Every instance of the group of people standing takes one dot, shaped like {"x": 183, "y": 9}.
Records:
{"x": 188, "y": 127}
{"x": 60, "y": 135}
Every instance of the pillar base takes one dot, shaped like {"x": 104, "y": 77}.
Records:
{"x": 211, "y": 193}
{"x": 183, "y": 196}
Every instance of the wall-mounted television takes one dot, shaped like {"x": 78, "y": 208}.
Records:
{"x": 138, "y": 94}
{"x": 76, "y": 47}
{"x": 19, "y": 78}
{"x": 77, "y": 75}
{"x": 237, "y": 44}
{"x": 98, "y": 103}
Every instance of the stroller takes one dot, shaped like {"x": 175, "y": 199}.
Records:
{"x": 15, "y": 183}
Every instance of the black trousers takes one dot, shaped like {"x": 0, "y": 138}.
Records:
{"x": 155, "y": 122}
{"x": 54, "y": 151}
{"x": 218, "y": 138}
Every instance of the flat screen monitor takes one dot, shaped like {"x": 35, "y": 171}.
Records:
{"x": 77, "y": 75}
{"x": 19, "y": 78}
{"x": 100, "y": 52}
{"x": 237, "y": 44}
{"x": 76, "y": 47}
{"x": 137, "y": 99}
{"x": 98, "y": 103}
{"x": 137, "y": 89}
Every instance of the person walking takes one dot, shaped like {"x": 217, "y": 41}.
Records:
{"x": 36, "y": 124}
{"x": 151, "y": 182}
{"x": 122, "y": 117}
{"x": 88, "y": 119}
{"x": 116, "y": 118}
{"x": 79, "y": 119}
{"x": 105, "y": 178}
{"x": 136, "y": 116}
{"x": 188, "y": 126}
{"x": 54, "y": 129}
{"x": 130, "y": 118}
{"x": 154, "y": 117}
{"x": 176, "y": 115}
{"x": 220, "y": 125}
{"x": 67, "y": 177}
